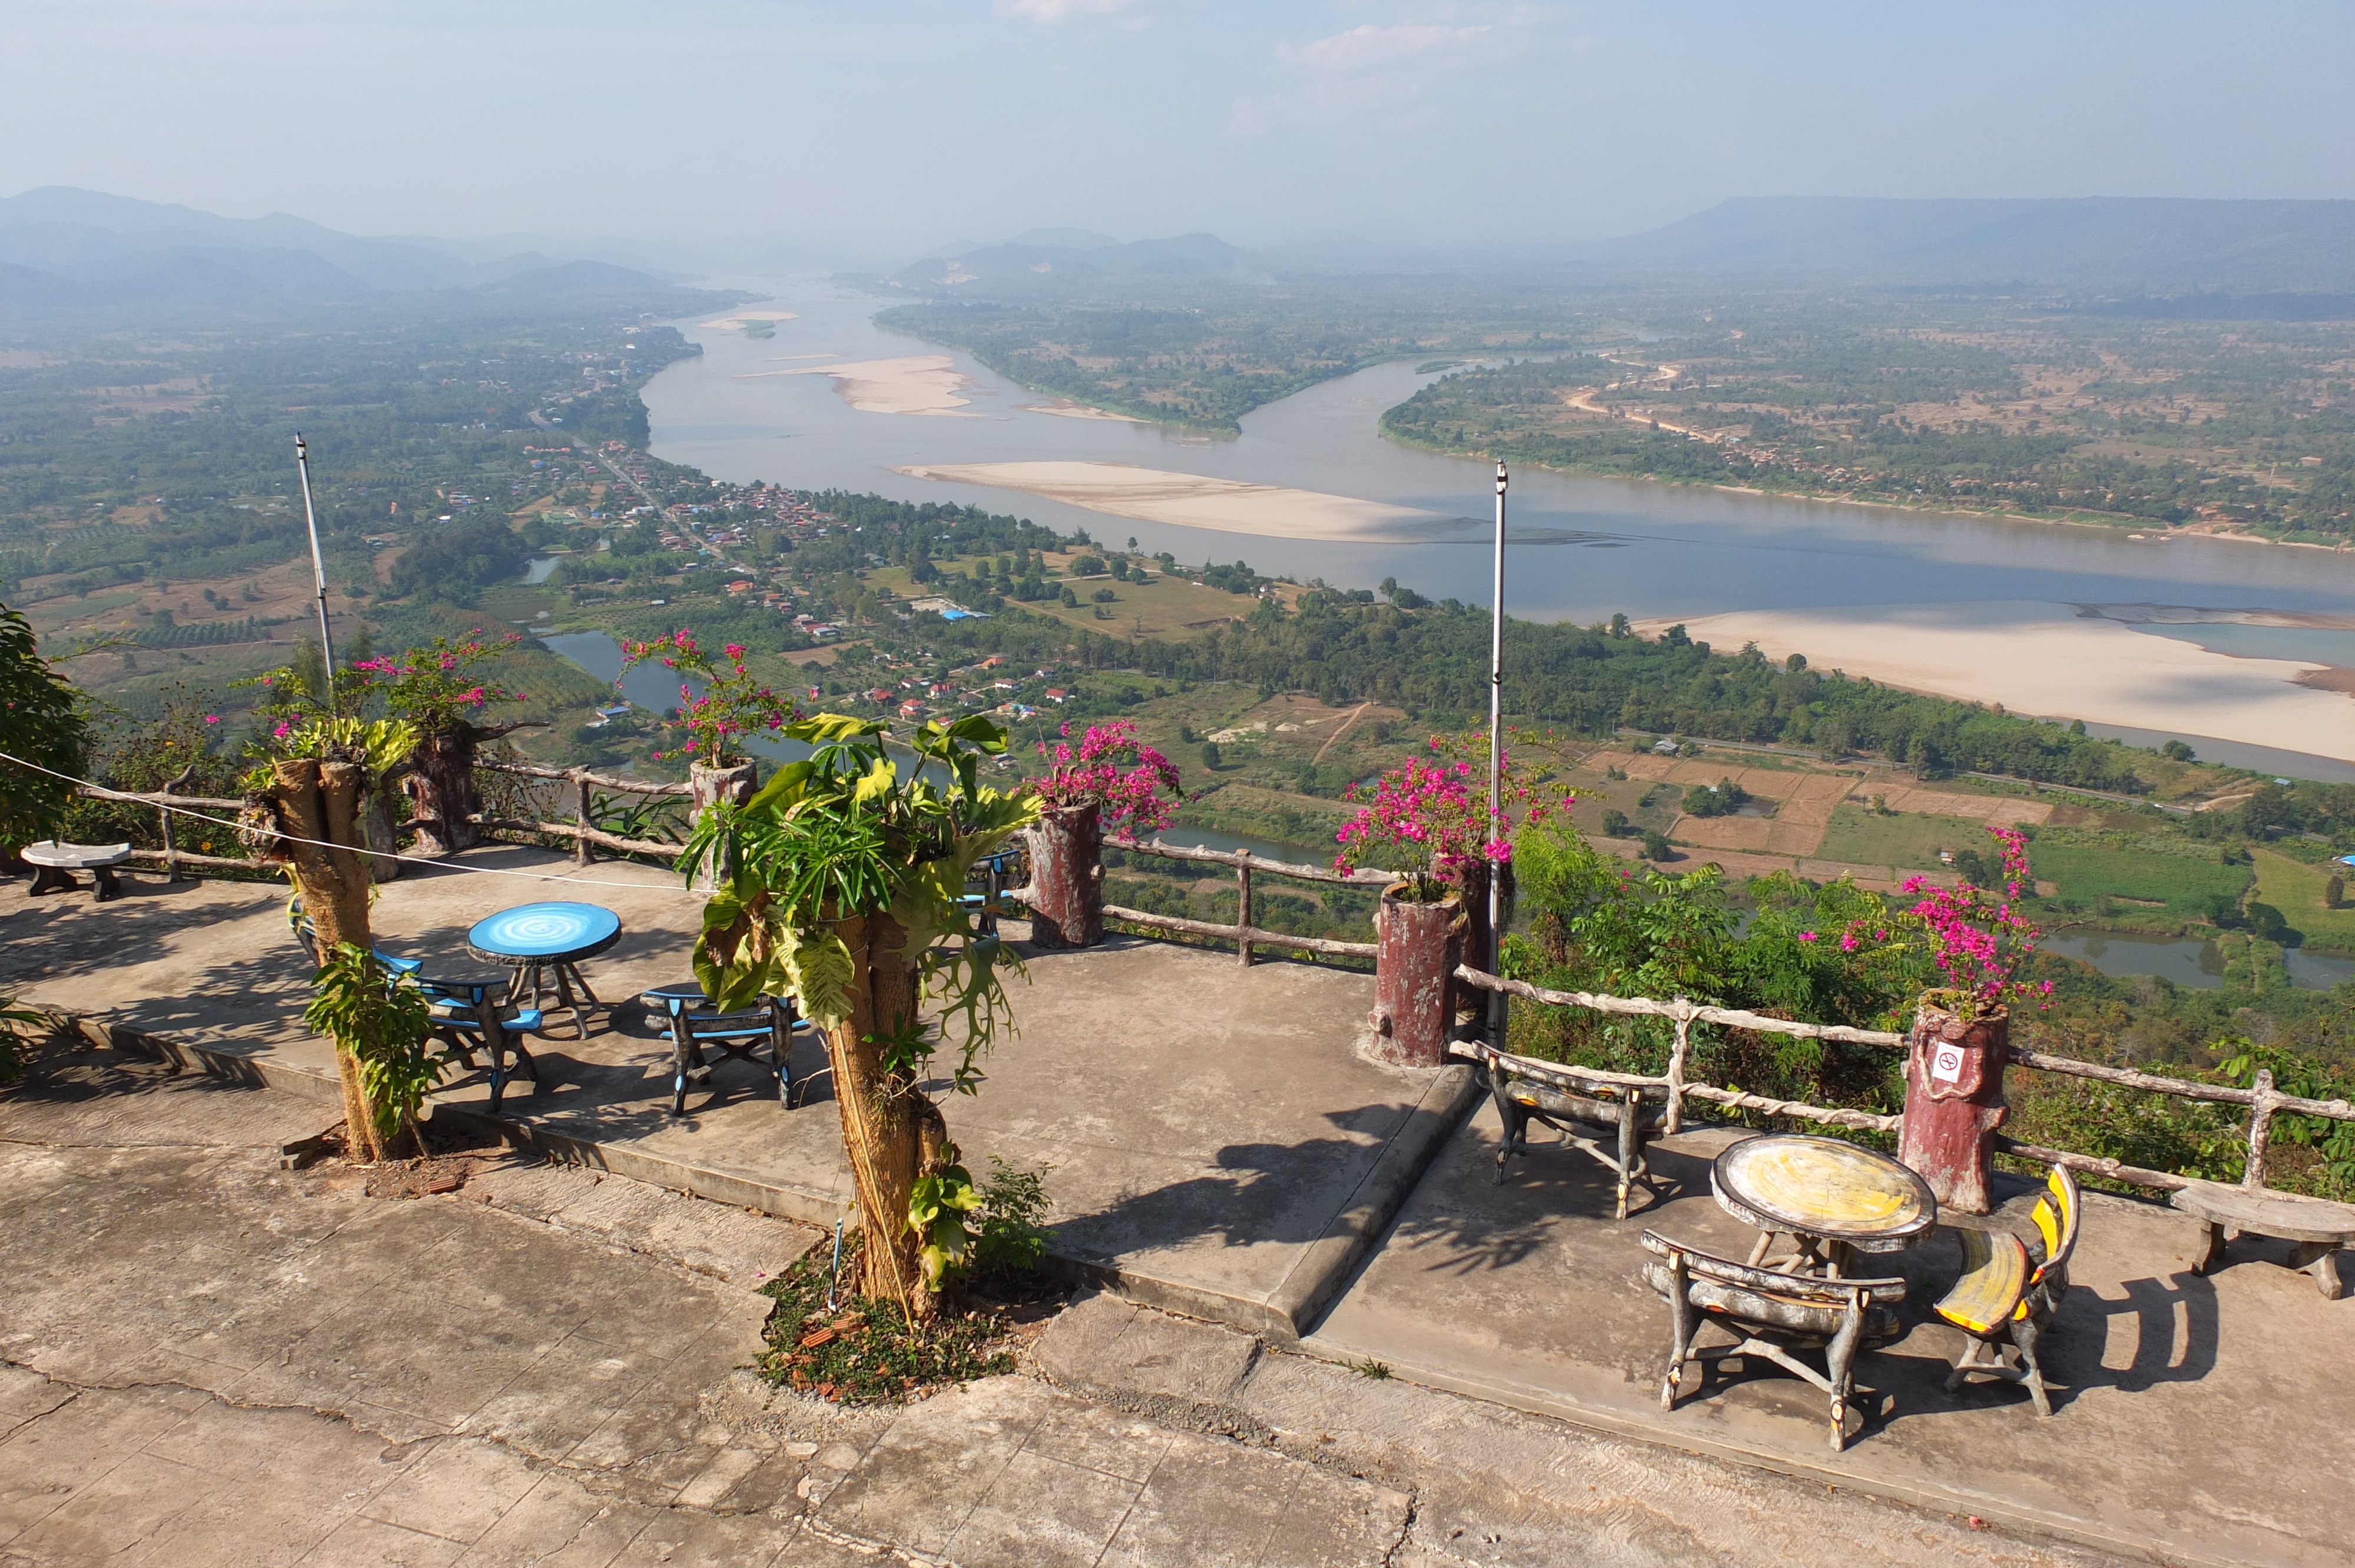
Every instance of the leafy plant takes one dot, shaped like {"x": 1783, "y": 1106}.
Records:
{"x": 44, "y": 726}
{"x": 437, "y": 684}
{"x": 866, "y": 1351}
{"x": 383, "y": 1021}
{"x": 1011, "y": 1242}
{"x": 846, "y": 892}
{"x": 1421, "y": 821}
{"x": 16, "y": 1024}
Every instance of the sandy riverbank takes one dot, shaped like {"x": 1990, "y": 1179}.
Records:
{"x": 1190, "y": 501}
{"x": 1064, "y": 408}
{"x": 2046, "y": 659}
{"x": 740, "y": 318}
{"x": 915, "y": 384}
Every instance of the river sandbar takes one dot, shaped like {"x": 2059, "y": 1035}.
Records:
{"x": 737, "y": 322}
{"x": 914, "y": 384}
{"x": 1189, "y": 500}
{"x": 2047, "y": 660}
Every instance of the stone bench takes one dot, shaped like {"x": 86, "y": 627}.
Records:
{"x": 53, "y": 864}
{"x": 2319, "y": 1227}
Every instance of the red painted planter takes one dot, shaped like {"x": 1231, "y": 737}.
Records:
{"x": 1067, "y": 878}
{"x": 1417, "y": 947}
{"x": 1954, "y": 1102}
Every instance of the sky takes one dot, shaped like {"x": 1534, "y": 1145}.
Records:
{"x": 885, "y": 128}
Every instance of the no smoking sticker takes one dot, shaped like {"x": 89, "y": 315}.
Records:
{"x": 1946, "y": 1064}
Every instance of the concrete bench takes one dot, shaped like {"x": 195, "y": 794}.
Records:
{"x": 53, "y": 864}
{"x": 2318, "y": 1226}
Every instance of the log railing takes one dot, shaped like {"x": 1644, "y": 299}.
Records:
{"x": 586, "y": 836}
{"x": 1244, "y": 935}
{"x": 2264, "y": 1102}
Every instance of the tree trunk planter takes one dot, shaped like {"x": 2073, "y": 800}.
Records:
{"x": 442, "y": 800}
{"x": 1954, "y": 1102}
{"x": 1067, "y": 878}
{"x": 1469, "y": 1005}
{"x": 1417, "y": 947}
{"x": 735, "y": 784}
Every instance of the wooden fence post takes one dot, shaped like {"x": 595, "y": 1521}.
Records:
{"x": 1676, "y": 1108}
{"x": 2261, "y": 1129}
{"x": 582, "y": 850}
{"x": 1244, "y": 911}
{"x": 164, "y": 813}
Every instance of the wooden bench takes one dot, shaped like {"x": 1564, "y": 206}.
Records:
{"x": 2319, "y": 1227}
{"x": 1584, "y": 1110}
{"x": 53, "y": 864}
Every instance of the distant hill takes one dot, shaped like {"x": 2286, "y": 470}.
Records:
{"x": 2126, "y": 243}
{"x": 1025, "y": 266}
{"x": 78, "y": 252}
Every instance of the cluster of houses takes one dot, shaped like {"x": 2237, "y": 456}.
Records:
{"x": 990, "y": 686}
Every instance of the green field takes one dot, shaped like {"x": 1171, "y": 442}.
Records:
{"x": 2086, "y": 873}
{"x": 1858, "y": 837}
{"x": 2295, "y": 890}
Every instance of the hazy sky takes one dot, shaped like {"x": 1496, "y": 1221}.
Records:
{"x": 899, "y": 124}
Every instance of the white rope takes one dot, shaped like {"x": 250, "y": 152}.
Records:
{"x": 378, "y": 854}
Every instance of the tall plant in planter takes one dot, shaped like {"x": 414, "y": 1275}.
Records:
{"x": 306, "y": 794}
{"x": 732, "y": 707}
{"x": 441, "y": 689}
{"x": 1110, "y": 782}
{"x": 43, "y": 721}
{"x": 848, "y": 870}
{"x": 1960, "y": 1039}
{"x": 1421, "y": 821}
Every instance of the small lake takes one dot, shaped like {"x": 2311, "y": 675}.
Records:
{"x": 2198, "y": 965}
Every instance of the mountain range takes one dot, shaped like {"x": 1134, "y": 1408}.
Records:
{"x": 69, "y": 250}
{"x": 2154, "y": 245}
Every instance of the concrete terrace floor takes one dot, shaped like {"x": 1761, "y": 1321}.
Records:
{"x": 2192, "y": 1417}
{"x": 1221, "y": 1148}
{"x": 1216, "y": 1143}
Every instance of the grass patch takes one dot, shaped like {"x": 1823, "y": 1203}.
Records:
{"x": 2087, "y": 872}
{"x": 2295, "y": 889}
{"x": 863, "y": 1351}
{"x": 1861, "y": 837}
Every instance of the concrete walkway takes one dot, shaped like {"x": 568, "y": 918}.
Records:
{"x": 2194, "y": 1418}
{"x": 207, "y": 1361}
{"x": 1218, "y": 1144}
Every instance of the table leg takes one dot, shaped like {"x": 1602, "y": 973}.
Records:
{"x": 574, "y": 970}
{"x": 1758, "y": 1252}
{"x": 110, "y": 886}
{"x": 2211, "y": 1249}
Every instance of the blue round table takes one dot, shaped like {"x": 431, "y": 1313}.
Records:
{"x": 543, "y": 943}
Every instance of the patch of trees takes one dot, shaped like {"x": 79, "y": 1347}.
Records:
{"x": 456, "y": 562}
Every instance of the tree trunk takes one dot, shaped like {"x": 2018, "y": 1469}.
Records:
{"x": 441, "y": 789}
{"x": 733, "y": 783}
{"x": 891, "y": 1131}
{"x": 1067, "y": 878}
{"x": 380, "y": 832}
{"x": 320, "y": 801}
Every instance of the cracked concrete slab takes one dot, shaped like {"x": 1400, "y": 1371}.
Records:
{"x": 1501, "y": 1489}
{"x": 207, "y": 1361}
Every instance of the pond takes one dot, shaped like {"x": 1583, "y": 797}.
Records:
{"x": 2188, "y": 961}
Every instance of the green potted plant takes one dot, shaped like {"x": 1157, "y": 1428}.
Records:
{"x": 845, "y": 888}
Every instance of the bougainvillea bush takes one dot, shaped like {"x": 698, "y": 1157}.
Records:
{"x": 1426, "y": 821}
{"x": 1978, "y": 938}
{"x": 1115, "y": 770}
{"x": 733, "y": 706}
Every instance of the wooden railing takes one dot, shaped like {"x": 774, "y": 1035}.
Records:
{"x": 586, "y": 837}
{"x": 1244, "y": 935}
{"x": 2264, "y": 1102}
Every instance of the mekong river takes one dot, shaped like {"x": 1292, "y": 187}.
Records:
{"x": 1583, "y": 548}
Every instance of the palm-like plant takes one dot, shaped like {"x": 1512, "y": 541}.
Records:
{"x": 844, "y": 881}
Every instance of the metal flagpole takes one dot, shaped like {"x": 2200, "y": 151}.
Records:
{"x": 1496, "y": 768}
{"x": 319, "y": 566}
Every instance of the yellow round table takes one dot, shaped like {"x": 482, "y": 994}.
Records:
{"x": 1833, "y": 1199}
